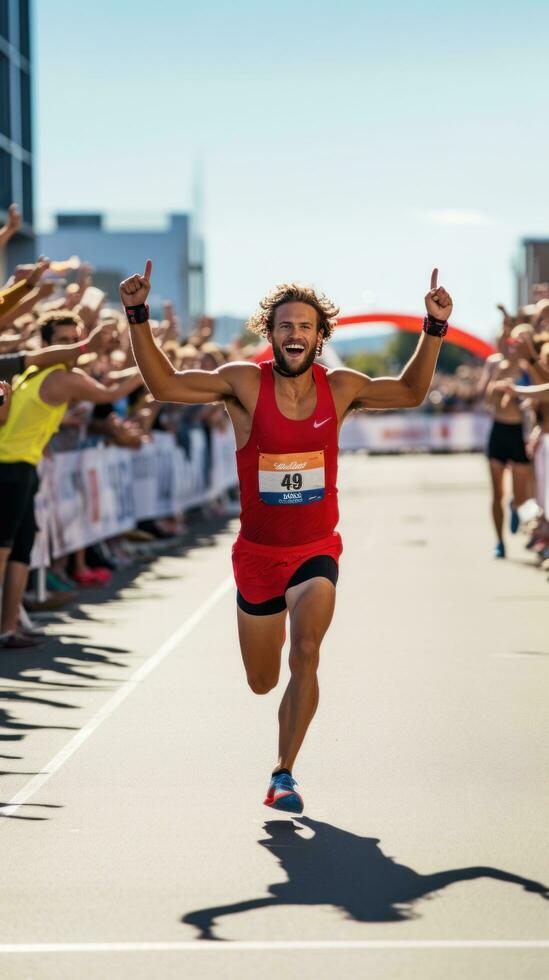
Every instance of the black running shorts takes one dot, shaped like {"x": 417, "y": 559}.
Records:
{"x": 506, "y": 443}
{"x": 18, "y": 485}
{"x": 320, "y": 566}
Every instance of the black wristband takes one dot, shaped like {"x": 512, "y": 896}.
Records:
{"x": 138, "y": 314}
{"x": 434, "y": 327}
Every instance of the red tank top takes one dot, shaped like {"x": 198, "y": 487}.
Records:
{"x": 288, "y": 469}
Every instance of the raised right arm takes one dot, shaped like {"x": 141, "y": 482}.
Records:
{"x": 541, "y": 392}
{"x": 163, "y": 381}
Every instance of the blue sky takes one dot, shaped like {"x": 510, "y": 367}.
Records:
{"x": 351, "y": 144}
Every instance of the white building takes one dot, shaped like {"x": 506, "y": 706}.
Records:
{"x": 176, "y": 254}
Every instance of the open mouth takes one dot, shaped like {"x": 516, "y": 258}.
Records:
{"x": 294, "y": 350}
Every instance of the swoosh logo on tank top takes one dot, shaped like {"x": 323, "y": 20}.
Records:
{"x": 316, "y": 425}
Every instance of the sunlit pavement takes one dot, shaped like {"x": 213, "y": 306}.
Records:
{"x": 423, "y": 849}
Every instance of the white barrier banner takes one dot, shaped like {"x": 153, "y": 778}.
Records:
{"x": 541, "y": 469}
{"x": 224, "y": 474}
{"x": 40, "y": 557}
{"x": 545, "y": 479}
{"x": 93, "y": 494}
{"x": 397, "y": 432}
{"x": 191, "y": 474}
{"x": 92, "y": 497}
{"x": 165, "y": 481}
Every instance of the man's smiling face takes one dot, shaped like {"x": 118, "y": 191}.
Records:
{"x": 294, "y": 337}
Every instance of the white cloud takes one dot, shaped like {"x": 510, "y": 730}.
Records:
{"x": 457, "y": 216}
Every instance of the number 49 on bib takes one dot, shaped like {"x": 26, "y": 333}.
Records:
{"x": 291, "y": 478}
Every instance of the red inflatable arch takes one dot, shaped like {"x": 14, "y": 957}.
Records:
{"x": 411, "y": 324}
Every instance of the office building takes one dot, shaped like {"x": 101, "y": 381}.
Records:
{"x": 16, "y": 158}
{"x": 115, "y": 253}
{"x": 228, "y": 328}
{"x": 531, "y": 267}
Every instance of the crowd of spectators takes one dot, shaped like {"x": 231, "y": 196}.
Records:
{"x": 52, "y": 314}
{"x": 458, "y": 392}
{"x": 522, "y": 358}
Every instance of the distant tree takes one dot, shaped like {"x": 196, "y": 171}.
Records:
{"x": 452, "y": 356}
{"x": 374, "y": 365}
{"x": 399, "y": 349}
{"x": 401, "y": 346}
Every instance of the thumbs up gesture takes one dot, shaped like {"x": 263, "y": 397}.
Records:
{"x": 437, "y": 301}
{"x": 134, "y": 291}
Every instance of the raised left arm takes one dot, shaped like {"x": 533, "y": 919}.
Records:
{"x": 356, "y": 390}
{"x": 541, "y": 392}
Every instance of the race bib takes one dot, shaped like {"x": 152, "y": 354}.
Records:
{"x": 291, "y": 478}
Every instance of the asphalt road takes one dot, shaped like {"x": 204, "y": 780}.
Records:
{"x": 135, "y": 761}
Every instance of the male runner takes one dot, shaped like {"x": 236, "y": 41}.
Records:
{"x": 506, "y": 445}
{"x": 286, "y": 415}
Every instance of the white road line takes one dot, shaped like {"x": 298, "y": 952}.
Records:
{"x": 118, "y": 697}
{"x": 208, "y": 945}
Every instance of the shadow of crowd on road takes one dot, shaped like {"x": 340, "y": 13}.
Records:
{"x": 65, "y": 664}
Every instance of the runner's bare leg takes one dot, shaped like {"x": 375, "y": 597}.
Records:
{"x": 261, "y": 641}
{"x": 522, "y": 483}
{"x": 497, "y": 471}
{"x": 15, "y": 579}
{"x": 311, "y": 607}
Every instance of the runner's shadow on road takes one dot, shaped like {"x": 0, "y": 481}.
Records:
{"x": 351, "y": 873}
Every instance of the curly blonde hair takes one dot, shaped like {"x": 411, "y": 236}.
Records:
{"x": 294, "y": 292}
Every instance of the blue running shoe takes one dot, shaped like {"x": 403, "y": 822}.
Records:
{"x": 514, "y": 520}
{"x": 499, "y": 550}
{"x": 282, "y": 795}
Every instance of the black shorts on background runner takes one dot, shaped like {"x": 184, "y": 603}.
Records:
{"x": 506, "y": 443}
{"x": 18, "y": 485}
